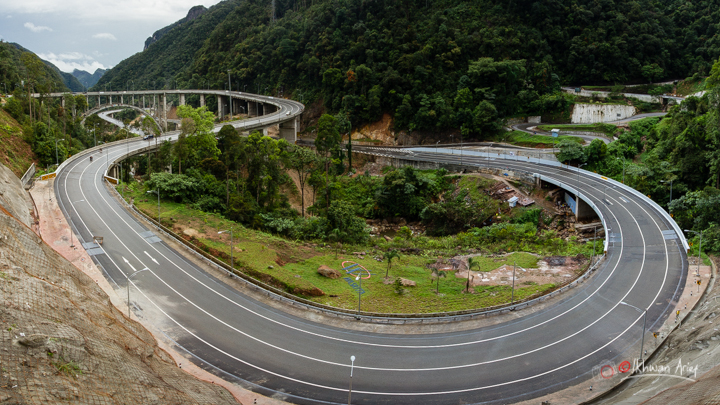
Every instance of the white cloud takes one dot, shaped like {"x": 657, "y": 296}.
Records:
{"x": 8, "y": 16}
{"x": 105, "y": 35}
{"x": 161, "y": 11}
{"x": 67, "y": 62}
{"x": 34, "y": 28}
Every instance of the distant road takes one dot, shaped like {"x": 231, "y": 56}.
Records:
{"x": 105, "y": 115}
{"x": 587, "y": 138}
{"x": 637, "y": 117}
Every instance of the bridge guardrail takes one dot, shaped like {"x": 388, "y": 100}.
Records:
{"x": 614, "y": 182}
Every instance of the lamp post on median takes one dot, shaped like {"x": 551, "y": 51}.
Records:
{"x": 352, "y": 365}
{"x": 158, "y": 194}
{"x": 128, "y": 287}
{"x": 642, "y": 338}
{"x": 231, "y": 246}
{"x": 699, "y": 247}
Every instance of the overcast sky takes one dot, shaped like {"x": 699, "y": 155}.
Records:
{"x": 88, "y": 34}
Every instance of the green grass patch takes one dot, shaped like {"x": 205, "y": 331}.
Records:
{"x": 292, "y": 265}
{"x": 69, "y": 368}
{"x": 521, "y": 138}
{"x": 690, "y": 86}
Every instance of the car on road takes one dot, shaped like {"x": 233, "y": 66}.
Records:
{"x": 149, "y": 137}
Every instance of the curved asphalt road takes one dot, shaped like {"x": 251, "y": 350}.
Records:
{"x": 307, "y": 362}
{"x": 588, "y": 138}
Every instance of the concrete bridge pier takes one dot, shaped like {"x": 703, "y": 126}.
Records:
{"x": 252, "y": 109}
{"x": 269, "y": 109}
{"x": 122, "y": 99}
{"x": 114, "y": 171}
{"x": 164, "y": 108}
{"x": 182, "y": 99}
{"x": 221, "y": 110}
{"x": 202, "y": 100}
{"x": 288, "y": 130}
{"x": 584, "y": 211}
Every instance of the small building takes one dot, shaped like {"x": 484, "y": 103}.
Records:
{"x": 555, "y": 133}
{"x": 513, "y": 201}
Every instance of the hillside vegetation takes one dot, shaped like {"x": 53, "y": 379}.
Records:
{"x": 13, "y": 71}
{"x": 15, "y": 153}
{"x": 434, "y": 64}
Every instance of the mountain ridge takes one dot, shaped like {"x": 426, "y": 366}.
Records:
{"x": 88, "y": 79}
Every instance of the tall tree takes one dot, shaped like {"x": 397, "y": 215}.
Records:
{"x": 303, "y": 162}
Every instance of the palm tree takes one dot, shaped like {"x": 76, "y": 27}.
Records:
{"x": 392, "y": 254}
{"x": 471, "y": 263}
{"x": 337, "y": 236}
{"x": 437, "y": 274}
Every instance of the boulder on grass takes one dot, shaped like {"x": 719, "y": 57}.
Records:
{"x": 328, "y": 272}
{"x": 407, "y": 283}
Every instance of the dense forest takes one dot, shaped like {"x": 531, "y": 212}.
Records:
{"x": 431, "y": 64}
{"x": 47, "y": 77}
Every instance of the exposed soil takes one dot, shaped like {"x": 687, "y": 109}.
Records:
{"x": 551, "y": 270}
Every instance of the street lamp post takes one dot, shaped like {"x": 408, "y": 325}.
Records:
{"x": 642, "y": 338}
{"x": 512, "y": 296}
{"x": 358, "y": 278}
{"x": 699, "y": 248}
{"x": 665, "y": 181}
{"x": 128, "y": 287}
{"x": 158, "y": 194}
{"x": 352, "y": 365}
{"x": 577, "y": 188}
{"x": 623, "y": 160}
{"x": 461, "y": 151}
{"x": 57, "y": 162}
{"x": 230, "y": 95}
{"x": 231, "y": 246}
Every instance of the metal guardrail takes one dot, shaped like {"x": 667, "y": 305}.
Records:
{"x": 380, "y": 318}
{"x": 28, "y": 176}
{"x": 440, "y": 317}
{"x": 613, "y": 182}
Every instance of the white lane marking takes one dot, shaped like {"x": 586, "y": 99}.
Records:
{"x": 624, "y": 200}
{"x": 399, "y": 346}
{"x": 151, "y": 258}
{"x": 378, "y": 344}
{"x": 456, "y": 391}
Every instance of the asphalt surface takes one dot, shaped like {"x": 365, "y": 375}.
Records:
{"x": 307, "y": 362}
{"x": 586, "y": 138}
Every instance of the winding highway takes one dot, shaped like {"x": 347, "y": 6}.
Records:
{"x": 523, "y": 356}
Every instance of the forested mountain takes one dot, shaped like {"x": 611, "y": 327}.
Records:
{"x": 13, "y": 71}
{"x": 194, "y": 13}
{"x": 86, "y": 79}
{"x": 433, "y": 64}
{"x": 67, "y": 79}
